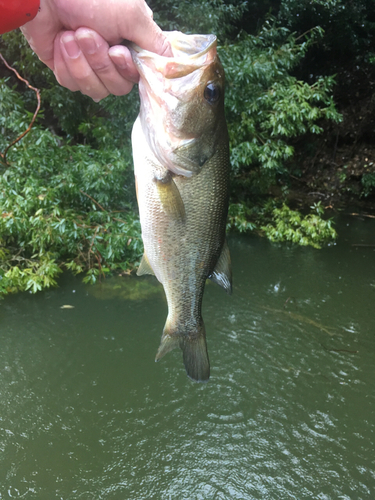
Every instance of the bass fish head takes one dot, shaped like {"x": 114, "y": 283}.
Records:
{"x": 182, "y": 101}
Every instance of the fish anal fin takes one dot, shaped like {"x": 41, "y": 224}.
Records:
{"x": 222, "y": 274}
{"x": 170, "y": 197}
{"x": 145, "y": 267}
{"x": 167, "y": 343}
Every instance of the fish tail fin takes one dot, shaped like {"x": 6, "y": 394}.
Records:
{"x": 194, "y": 349}
{"x": 195, "y": 357}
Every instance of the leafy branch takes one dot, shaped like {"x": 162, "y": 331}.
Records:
{"x": 37, "y": 92}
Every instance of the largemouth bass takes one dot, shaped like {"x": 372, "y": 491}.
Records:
{"x": 181, "y": 164}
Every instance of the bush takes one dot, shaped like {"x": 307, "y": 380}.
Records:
{"x": 289, "y": 225}
{"x": 62, "y": 206}
{"x": 67, "y": 191}
{"x": 266, "y": 106}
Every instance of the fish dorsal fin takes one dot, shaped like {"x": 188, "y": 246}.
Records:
{"x": 145, "y": 267}
{"x": 170, "y": 197}
{"x": 222, "y": 274}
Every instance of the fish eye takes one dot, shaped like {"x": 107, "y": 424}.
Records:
{"x": 212, "y": 93}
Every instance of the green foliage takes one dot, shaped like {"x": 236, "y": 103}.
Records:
{"x": 348, "y": 26}
{"x": 368, "y": 183}
{"x": 266, "y": 105}
{"x": 33, "y": 275}
{"x": 289, "y": 225}
{"x": 67, "y": 193}
{"x": 199, "y": 16}
{"x": 282, "y": 224}
{"x": 61, "y": 205}
{"x": 239, "y": 216}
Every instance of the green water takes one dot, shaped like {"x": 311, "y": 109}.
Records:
{"x": 289, "y": 411}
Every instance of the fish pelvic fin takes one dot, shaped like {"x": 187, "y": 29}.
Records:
{"x": 222, "y": 274}
{"x": 145, "y": 267}
{"x": 194, "y": 351}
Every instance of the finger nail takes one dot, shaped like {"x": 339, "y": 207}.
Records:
{"x": 87, "y": 42}
{"x": 70, "y": 45}
{"x": 118, "y": 58}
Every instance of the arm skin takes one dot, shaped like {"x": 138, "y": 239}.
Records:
{"x": 74, "y": 38}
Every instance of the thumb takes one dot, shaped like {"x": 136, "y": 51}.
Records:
{"x": 154, "y": 40}
{"x": 143, "y": 31}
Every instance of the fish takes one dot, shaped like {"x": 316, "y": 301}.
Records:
{"x": 181, "y": 164}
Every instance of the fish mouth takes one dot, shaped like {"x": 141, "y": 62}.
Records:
{"x": 189, "y": 53}
{"x": 166, "y": 87}
{"x": 189, "y": 47}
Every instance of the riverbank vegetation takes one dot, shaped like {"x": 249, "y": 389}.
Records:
{"x": 299, "y": 105}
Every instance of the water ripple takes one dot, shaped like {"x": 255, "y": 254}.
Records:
{"x": 289, "y": 411}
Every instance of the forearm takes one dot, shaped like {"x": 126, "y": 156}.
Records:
{"x": 16, "y": 13}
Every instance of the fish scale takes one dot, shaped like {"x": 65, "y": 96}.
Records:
{"x": 182, "y": 203}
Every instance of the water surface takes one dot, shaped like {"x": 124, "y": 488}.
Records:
{"x": 289, "y": 411}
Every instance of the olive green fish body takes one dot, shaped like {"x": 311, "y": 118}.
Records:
{"x": 183, "y": 212}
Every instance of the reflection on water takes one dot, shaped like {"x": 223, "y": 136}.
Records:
{"x": 289, "y": 411}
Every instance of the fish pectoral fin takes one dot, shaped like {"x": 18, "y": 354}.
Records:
{"x": 222, "y": 274}
{"x": 145, "y": 267}
{"x": 170, "y": 198}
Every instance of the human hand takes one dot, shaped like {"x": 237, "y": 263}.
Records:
{"x": 72, "y": 37}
